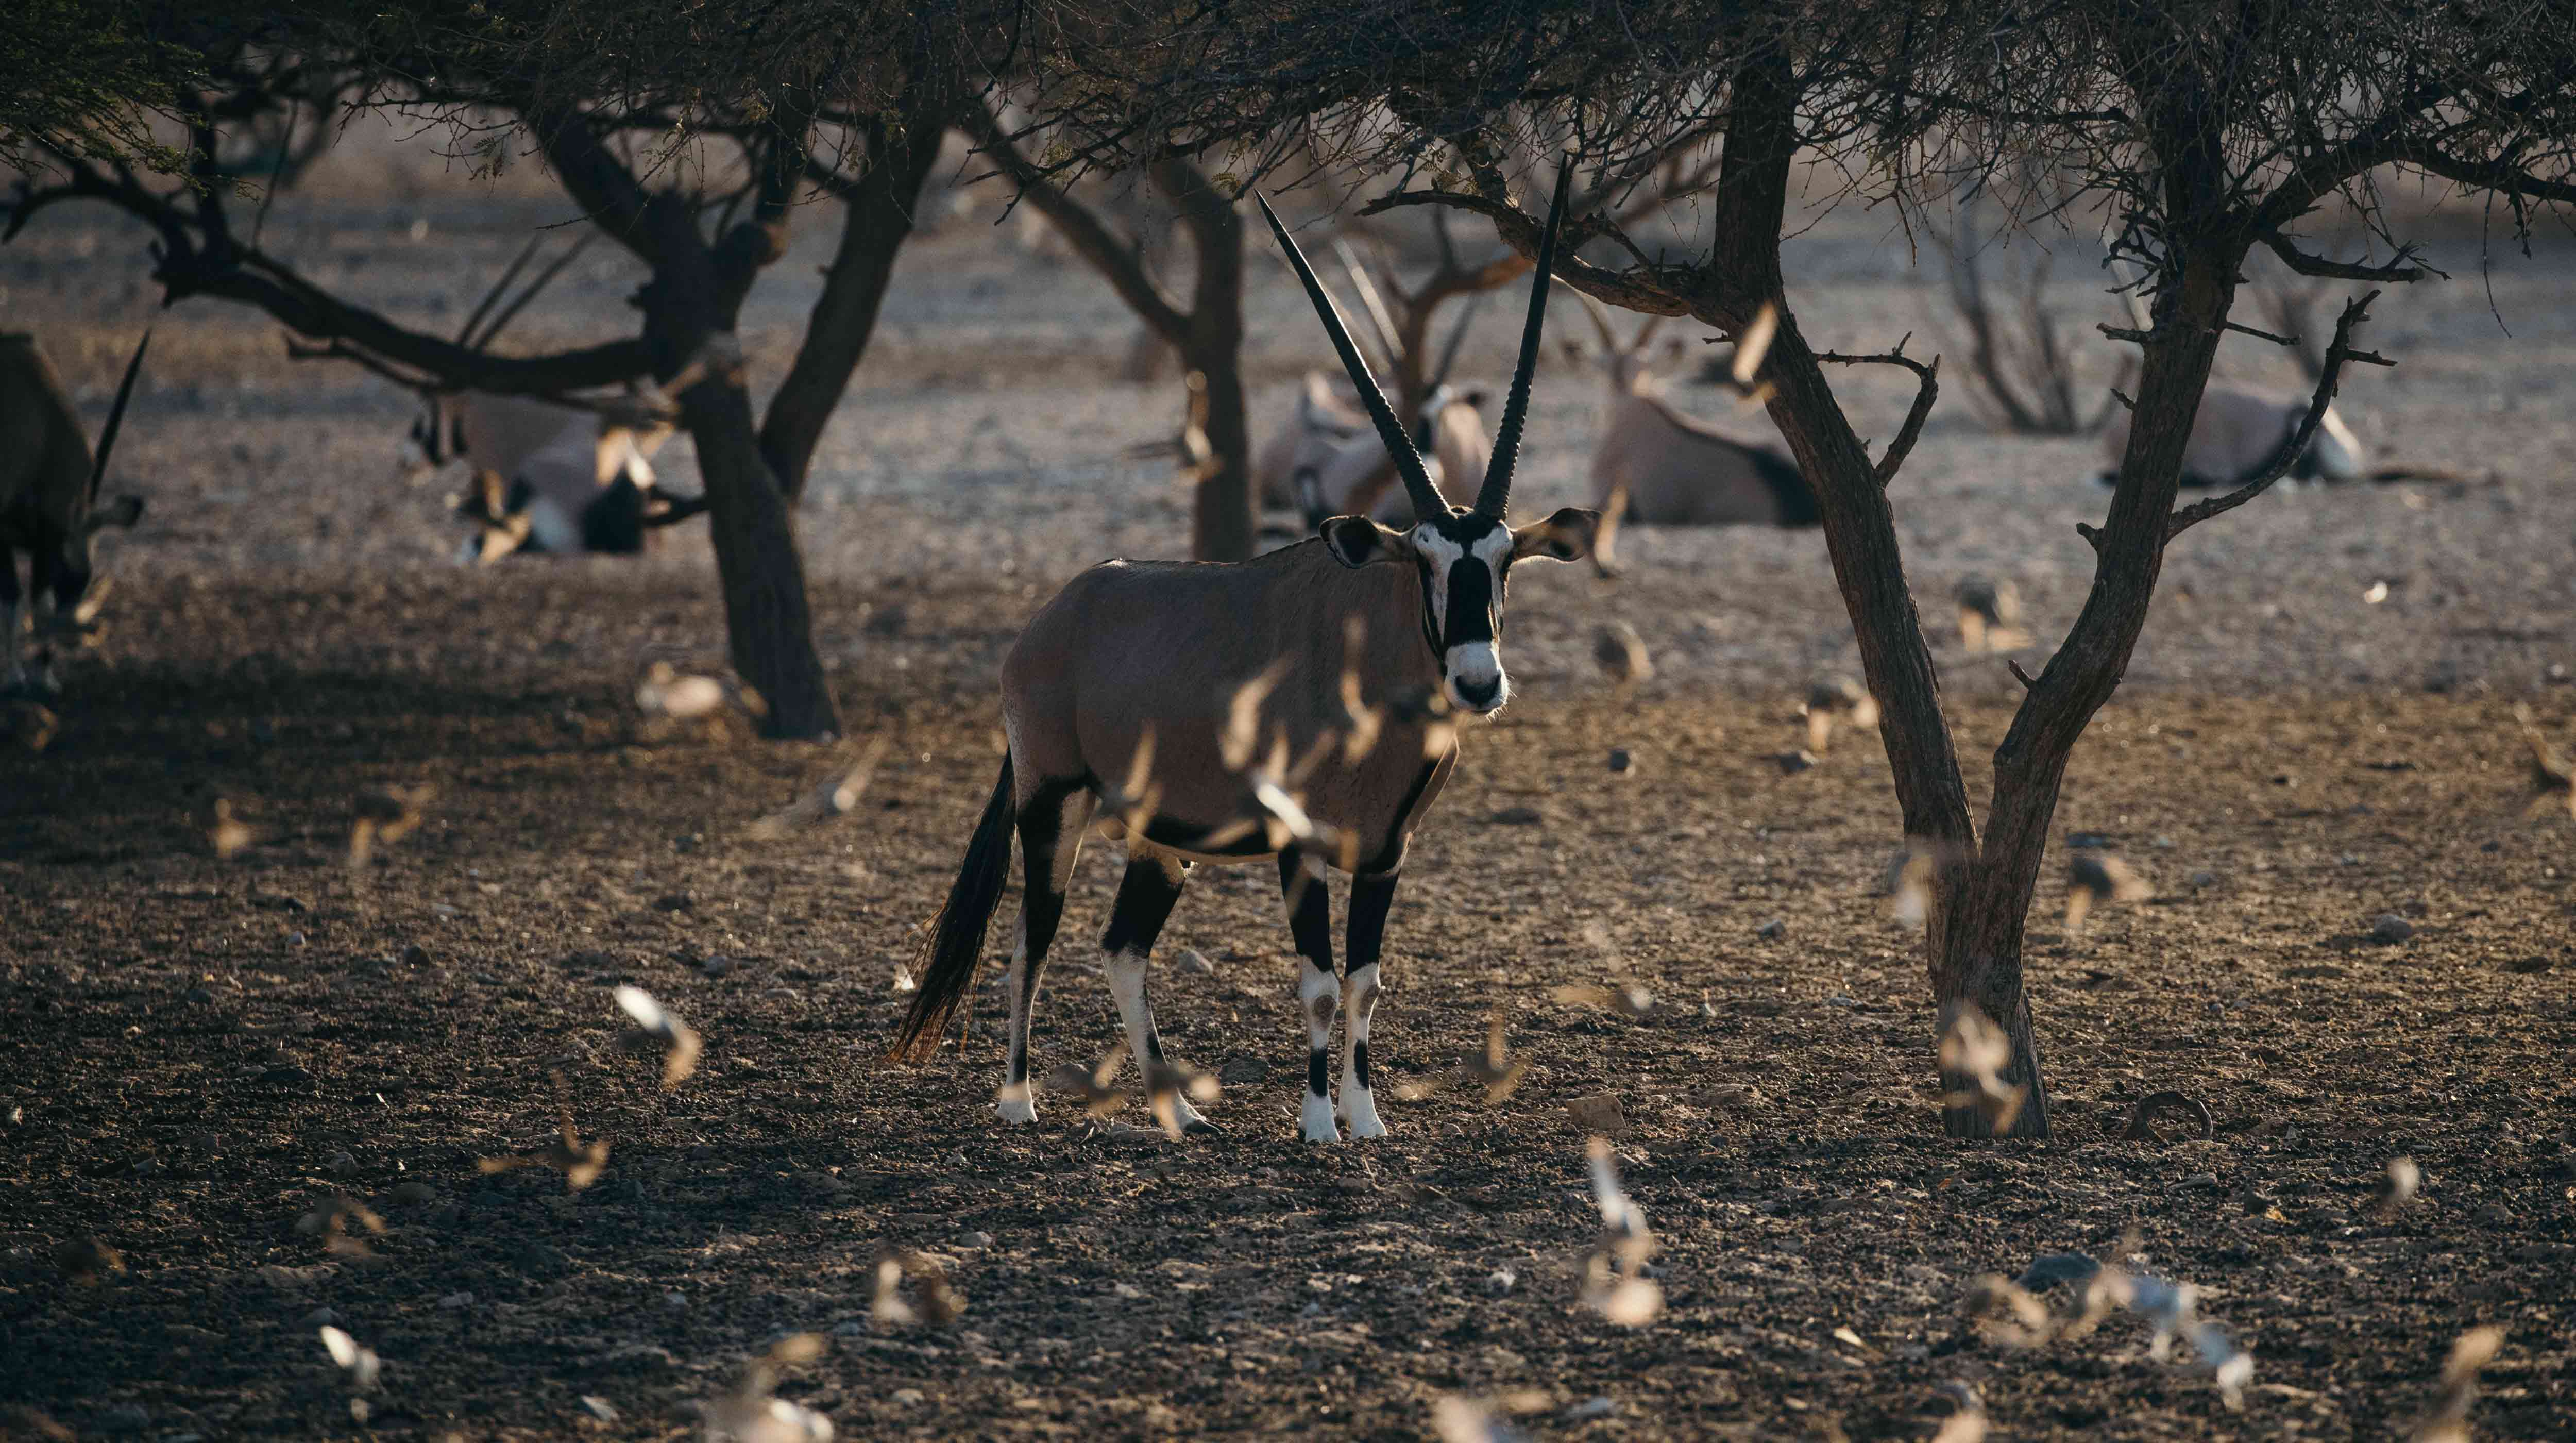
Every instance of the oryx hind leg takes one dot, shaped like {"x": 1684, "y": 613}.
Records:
{"x": 1051, "y": 823}
{"x": 1310, "y": 921}
{"x": 13, "y": 615}
{"x": 1145, "y": 898}
{"x": 1372, "y": 894}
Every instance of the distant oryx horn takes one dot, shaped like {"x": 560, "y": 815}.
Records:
{"x": 544, "y": 278}
{"x": 1427, "y": 501}
{"x": 1496, "y": 496}
{"x": 116, "y": 415}
{"x": 1457, "y": 338}
{"x": 483, "y": 307}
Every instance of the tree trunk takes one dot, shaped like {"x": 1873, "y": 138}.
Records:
{"x": 1223, "y": 511}
{"x": 768, "y": 625}
{"x": 1225, "y": 514}
{"x": 878, "y": 218}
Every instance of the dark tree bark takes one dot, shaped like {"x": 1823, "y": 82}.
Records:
{"x": 690, "y": 307}
{"x": 1209, "y": 334}
{"x": 880, "y": 214}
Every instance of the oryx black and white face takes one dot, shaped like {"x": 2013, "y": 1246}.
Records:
{"x": 1465, "y": 562}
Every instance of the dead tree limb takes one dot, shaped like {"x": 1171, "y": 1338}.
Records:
{"x": 2355, "y": 312}
{"x": 1927, "y": 389}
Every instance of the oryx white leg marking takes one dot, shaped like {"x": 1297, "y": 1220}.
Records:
{"x": 1359, "y": 1103}
{"x": 1049, "y": 848}
{"x": 1316, "y": 993}
{"x": 1145, "y": 897}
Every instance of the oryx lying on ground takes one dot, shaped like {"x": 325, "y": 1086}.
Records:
{"x": 546, "y": 477}
{"x": 1327, "y": 461}
{"x": 1178, "y": 694}
{"x": 1658, "y": 467}
{"x": 2236, "y": 435}
{"x": 49, "y": 503}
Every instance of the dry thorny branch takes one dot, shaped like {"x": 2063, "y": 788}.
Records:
{"x": 2021, "y": 370}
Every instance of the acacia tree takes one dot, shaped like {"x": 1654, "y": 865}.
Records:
{"x": 2209, "y": 128}
{"x": 555, "y": 81}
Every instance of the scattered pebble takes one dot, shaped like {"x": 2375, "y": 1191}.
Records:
{"x": 2204, "y": 879}
{"x": 1600, "y": 1113}
{"x": 1590, "y": 1408}
{"x": 976, "y": 1240}
{"x": 1772, "y": 930}
{"x": 908, "y": 1397}
{"x": 124, "y": 1418}
{"x": 2388, "y": 928}
{"x": 340, "y": 1163}
{"x": 1621, "y": 763}
{"x": 1792, "y": 763}
{"x": 1239, "y": 1071}
{"x": 294, "y": 939}
{"x": 1500, "y": 1280}
{"x": 1517, "y": 817}
{"x": 675, "y": 1301}
{"x": 414, "y": 1191}
{"x": 455, "y": 1302}
{"x": 201, "y": 995}
{"x": 717, "y": 965}
{"x": 322, "y": 1318}
{"x": 1195, "y": 962}
{"x": 415, "y": 955}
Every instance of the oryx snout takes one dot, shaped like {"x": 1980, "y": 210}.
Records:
{"x": 1474, "y": 678}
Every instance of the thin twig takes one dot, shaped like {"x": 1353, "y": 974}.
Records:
{"x": 1927, "y": 389}
{"x": 2291, "y": 342}
{"x": 2014, "y": 666}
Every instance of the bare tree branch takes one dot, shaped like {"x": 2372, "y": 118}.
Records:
{"x": 1927, "y": 389}
{"x": 2310, "y": 265}
{"x": 2355, "y": 313}
{"x": 1117, "y": 262}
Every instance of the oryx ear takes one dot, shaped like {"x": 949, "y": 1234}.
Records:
{"x": 124, "y": 511}
{"x": 1565, "y": 536}
{"x": 1359, "y": 541}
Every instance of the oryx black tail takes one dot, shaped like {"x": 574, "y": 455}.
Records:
{"x": 956, "y": 946}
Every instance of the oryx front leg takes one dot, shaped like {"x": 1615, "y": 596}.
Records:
{"x": 1051, "y": 824}
{"x": 1372, "y": 894}
{"x": 1145, "y": 898}
{"x": 1310, "y": 921}
{"x": 13, "y": 615}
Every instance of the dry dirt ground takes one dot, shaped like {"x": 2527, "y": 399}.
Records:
{"x": 196, "y": 1052}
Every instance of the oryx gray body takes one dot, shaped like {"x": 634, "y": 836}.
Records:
{"x": 1293, "y": 707}
{"x": 2237, "y": 433}
{"x": 49, "y": 503}
{"x": 1655, "y": 466}
{"x": 545, "y": 478}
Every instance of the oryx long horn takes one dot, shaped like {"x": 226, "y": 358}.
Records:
{"x": 1427, "y": 500}
{"x": 1371, "y": 302}
{"x": 116, "y": 415}
{"x": 552, "y": 270}
{"x": 483, "y": 307}
{"x": 1600, "y": 315}
{"x": 1457, "y": 338}
{"x": 1496, "y": 497}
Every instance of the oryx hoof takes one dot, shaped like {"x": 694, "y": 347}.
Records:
{"x": 1364, "y": 1119}
{"x": 1318, "y": 1120}
{"x": 1017, "y": 1111}
{"x": 1607, "y": 572}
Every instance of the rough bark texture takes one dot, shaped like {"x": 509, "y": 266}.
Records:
{"x": 1225, "y": 513}
{"x": 689, "y": 309}
{"x": 1209, "y": 334}
{"x": 878, "y": 217}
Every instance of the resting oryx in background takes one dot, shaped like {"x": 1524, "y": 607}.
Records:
{"x": 1327, "y": 461}
{"x": 2236, "y": 435}
{"x": 1658, "y": 467}
{"x": 546, "y": 477}
{"x": 1180, "y": 693}
{"x": 49, "y": 504}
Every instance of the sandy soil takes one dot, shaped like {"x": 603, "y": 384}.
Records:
{"x": 197, "y": 1051}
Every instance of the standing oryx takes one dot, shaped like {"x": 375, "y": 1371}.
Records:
{"x": 546, "y": 477}
{"x": 2236, "y": 435}
{"x": 1657, "y": 467}
{"x": 1180, "y": 693}
{"x": 49, "y": 505}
